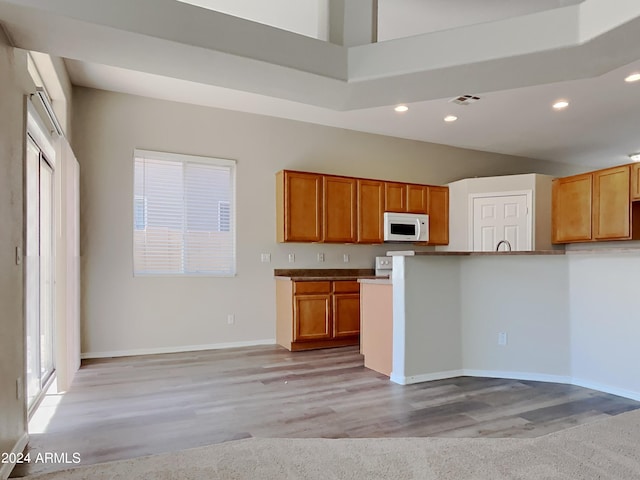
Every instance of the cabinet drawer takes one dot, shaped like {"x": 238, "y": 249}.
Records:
{"x": 346, "y": 286}
{"x": 302, "y": 288}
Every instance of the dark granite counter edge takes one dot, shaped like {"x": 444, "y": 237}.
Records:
{"x": 327, "y": 278}
{"x": 326, "y": 274}
{"x": 479, "y": 254}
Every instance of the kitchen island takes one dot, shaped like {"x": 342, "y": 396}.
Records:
{"x": 525, "y": 315}
{"x": 449, "y": 309}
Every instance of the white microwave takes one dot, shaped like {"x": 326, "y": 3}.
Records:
{"x": 406, "y": 227}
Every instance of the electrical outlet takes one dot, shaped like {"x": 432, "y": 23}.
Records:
{"x": 231, "y": 319}
{"x": 502, "y": 338}
{"x": 346, "y": 258}
{"x": 321, "y": 257}
{"x": 292, "y": 257}
{"x": 265, "y": 258}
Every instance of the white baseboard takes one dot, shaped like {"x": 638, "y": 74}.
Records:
{"x": 621, "y": 392}
{"x": 179, "y": 349}
{"x": 428, "y": 377}
{"x": 425, "y": 377}
{"x": 5, "y": 468}
{"x": 533, "y": 377}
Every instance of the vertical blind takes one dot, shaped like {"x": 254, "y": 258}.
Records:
{"x": 183, "y": 215}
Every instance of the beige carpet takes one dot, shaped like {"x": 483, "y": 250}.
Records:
{"x": 607, "y": 449}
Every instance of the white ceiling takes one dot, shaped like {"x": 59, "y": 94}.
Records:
{"x": 519, "y": 62}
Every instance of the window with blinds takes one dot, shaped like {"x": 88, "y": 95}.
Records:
{"x": 183, "y": 215}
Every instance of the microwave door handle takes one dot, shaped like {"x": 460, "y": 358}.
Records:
{"x": 418, "y": 222}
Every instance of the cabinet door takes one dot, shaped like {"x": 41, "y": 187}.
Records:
{"x": 311, "y": 317}
{"x": 635, "y": 181}
{"x": 417, "y": 199}
{"x": 302, "y": 207}
{"x": 339, "y": 209}
{"x": 438, "y": 208}
{"x": 370, "y": 209}
{"x": 346, "y": 315}
{"x": 395, "y": 197}
{"x": 611, "y": 205}
{"x": 571, "y": 209}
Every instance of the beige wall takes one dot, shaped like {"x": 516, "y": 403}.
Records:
{"x": 527, "y": 297}
{"x": 604, "y": 320}
{"x": 12, "y": 140}
{"x": 126, "y": 314}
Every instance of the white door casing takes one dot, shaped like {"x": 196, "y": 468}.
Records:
{"x": 501, "y": 216}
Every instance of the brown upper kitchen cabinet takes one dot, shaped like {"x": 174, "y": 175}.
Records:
{"x": 339, "y": 217}
{"x": 635, "y": 181}
{"x": 611, "y": 205}
{"x": 571, "y": 208}
{"x": 312, "y": 207}
{"x": 370, "y": 209}
{"x": 417, "y": 198}
{"x": 596, "y": 206}
{"x": 438, "y": 210}
{"x": 299, "y": 206}
{"x": 395, "y": 197}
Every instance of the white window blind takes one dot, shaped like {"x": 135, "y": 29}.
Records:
{"x": 183, "y": 215}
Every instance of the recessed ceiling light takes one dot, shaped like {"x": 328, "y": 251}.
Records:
{"x": 560, "y": 105}
{"x": 450, "y": 118}
{"x": 635, "y": 157}
{"x": 401, "y": 108}
{"x": 634, "y": 77}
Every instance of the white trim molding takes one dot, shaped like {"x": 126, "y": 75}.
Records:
{"x": 601, "y": 387}
{"x": 180, "y": 349}
{"x": 21, "y": 444}
{"x": 426, "y": 377}
{"x": 528, "y": 376}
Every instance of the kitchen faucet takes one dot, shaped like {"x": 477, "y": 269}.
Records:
{"x": 506, "y": 242}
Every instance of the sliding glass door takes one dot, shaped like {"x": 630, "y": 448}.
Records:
{"x": 39, "y": 258}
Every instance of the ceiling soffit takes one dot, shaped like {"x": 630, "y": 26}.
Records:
{"x": 172, "y": 39}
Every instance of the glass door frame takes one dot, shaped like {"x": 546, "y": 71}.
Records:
{"x": 39, "y": 262}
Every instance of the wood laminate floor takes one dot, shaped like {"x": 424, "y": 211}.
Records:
{"x": 128, "y": 407}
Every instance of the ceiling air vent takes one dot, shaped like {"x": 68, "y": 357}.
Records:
{"x": 465, "y": 99}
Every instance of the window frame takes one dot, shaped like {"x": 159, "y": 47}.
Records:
{"x": 184, "y": 158}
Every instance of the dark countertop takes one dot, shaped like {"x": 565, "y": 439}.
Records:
{"x": 324, "y": 274}
{"x": 411, "y": 253}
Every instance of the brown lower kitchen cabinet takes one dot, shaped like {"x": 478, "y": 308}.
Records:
{"x": 317, "y": 314}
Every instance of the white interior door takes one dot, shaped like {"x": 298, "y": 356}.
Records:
{"x": 501, "y": 217}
